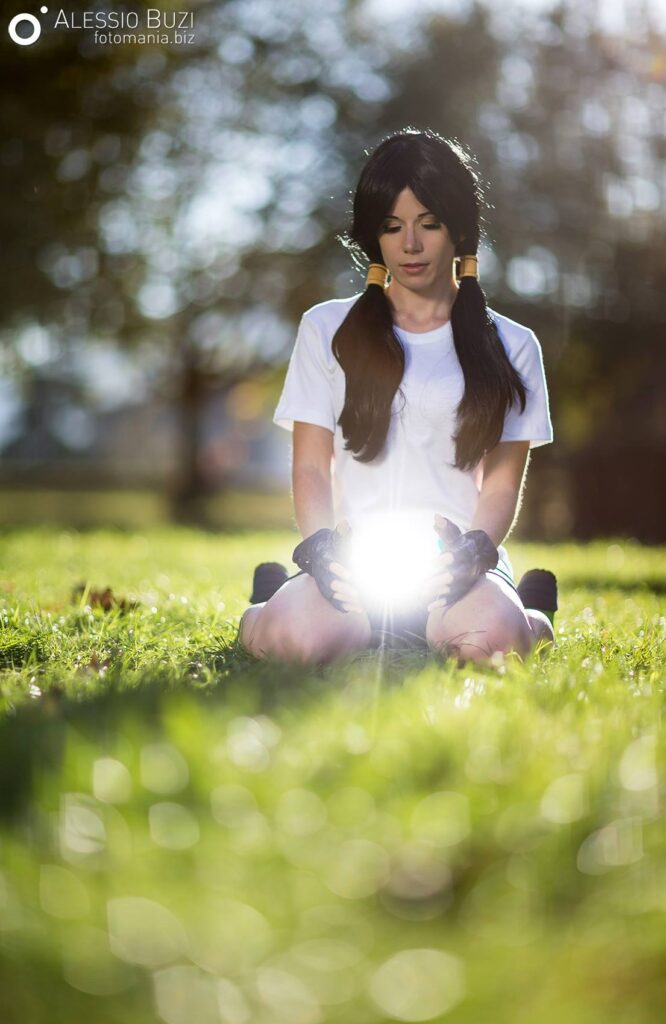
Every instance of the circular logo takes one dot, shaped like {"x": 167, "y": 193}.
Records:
{"x": 31, "y": 20}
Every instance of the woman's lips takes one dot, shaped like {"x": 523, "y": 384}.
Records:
{"x": 414, "y": 268}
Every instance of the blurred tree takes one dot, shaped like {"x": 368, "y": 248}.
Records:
{"x": 71, "y": 133}
{"x": 566, "y": 122}
{"x": 74, "y": 115}
{"x": 183, "y": 200}
{"x": 179, "y": 199}
{"x": 589, "y": 124}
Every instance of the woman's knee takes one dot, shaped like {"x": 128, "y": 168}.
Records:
{"x": 308, "y": 641}
{"x": 265, "y": 632}
{"x": 290, "y": 629}
{"x": 543, "y": 634}
{"x": 478, "y": 637}
{"x": 247, "y": 629}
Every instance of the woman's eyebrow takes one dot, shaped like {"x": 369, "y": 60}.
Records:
{"x": 392, "y": 216}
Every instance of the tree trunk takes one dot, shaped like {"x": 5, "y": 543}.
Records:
{"x": 192, "y": 488}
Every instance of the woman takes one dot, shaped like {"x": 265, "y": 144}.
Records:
{"x": 412, "y": 398}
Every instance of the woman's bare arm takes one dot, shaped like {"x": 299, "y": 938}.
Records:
{"x": 313, "y": 499}
{"x": 311, "y": 478}
{"x": 505, "y": 469}
{"x": 504, "y": 474}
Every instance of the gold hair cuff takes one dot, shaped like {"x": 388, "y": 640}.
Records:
{"x": 377, "y": 274}
{"x": 468, "y": 266}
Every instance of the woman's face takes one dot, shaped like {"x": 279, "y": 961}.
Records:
{"x": 415, "y": 245}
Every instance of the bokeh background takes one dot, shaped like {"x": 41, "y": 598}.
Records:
{"x": 190, "y": 835}
{"x": 169, "y": 211}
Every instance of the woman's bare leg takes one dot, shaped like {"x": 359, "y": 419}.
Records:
{"x": 540, "y": 625}
{"x": 489, "y": 618}
{"x": 298, "y": 624}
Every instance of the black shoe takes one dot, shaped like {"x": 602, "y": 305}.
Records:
{"x": 538, "y": 589}
{"x": 268, "y": 578}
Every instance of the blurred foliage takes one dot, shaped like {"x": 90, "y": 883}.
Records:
{"x": 174, "y": 196}
{"x": 70, "y": 135}
{"x": 184, "y": 201}
{"x": 187, "y": 835}
{"x": 194, "y": 165}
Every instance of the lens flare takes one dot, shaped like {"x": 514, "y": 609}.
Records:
{"x": 391, "y": 557}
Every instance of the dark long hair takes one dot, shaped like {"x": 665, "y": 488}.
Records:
{"x": 440, "y": 174}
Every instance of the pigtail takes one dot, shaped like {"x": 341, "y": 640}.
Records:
{"x": 491, "y": 381}
{"x": 373, "y": 360}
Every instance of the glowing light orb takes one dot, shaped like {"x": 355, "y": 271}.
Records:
{"x": 392, "y": 555}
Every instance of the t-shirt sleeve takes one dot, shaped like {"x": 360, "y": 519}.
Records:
{"x": 307, "y": 394}
{"x": 534, "y": 424}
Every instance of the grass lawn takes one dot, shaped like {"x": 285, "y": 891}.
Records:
{"x": 191, "y": 837}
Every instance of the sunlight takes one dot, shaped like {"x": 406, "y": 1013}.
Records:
{"x": 391, "y": 556}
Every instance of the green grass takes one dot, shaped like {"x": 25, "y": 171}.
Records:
{"x": 135, "y": 508}
{"x": 189, "y": 836}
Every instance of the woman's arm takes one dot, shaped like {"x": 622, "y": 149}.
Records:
{"x": 504, "y": 473}
{"x": 313, "y": 505}
{"x": 311, "y": 478}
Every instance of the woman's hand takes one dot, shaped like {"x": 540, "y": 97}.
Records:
{"x": 344, "y": 589}
{"x": 321, "y": 555}
{"x": 342, "y": 585}
{"x": 467, "y": 557}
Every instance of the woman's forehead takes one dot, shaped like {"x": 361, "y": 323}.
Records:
{"x": 406, "y": 204}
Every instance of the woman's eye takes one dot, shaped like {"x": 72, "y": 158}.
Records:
{"x": 390, "y": 229}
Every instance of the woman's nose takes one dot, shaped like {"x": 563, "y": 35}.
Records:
{"x": 411, "y": 242}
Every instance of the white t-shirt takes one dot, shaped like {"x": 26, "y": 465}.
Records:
{"x": 414, "y": 471}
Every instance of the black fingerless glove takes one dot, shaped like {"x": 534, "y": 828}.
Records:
{"x": 314, "y": 554}
{"x": 473, "y": 555}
